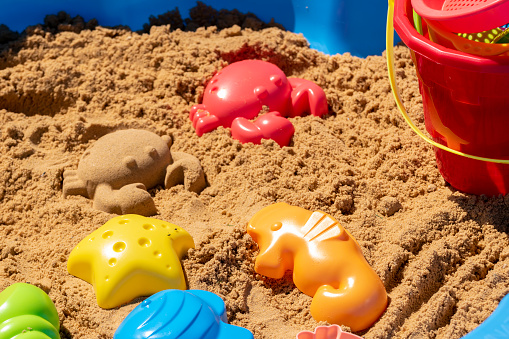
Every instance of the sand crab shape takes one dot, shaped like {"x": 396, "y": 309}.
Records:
{"x": 237, "y": 93}
{"x": 119, "y": 168}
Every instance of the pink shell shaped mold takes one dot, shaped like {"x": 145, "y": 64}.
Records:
{"x": 327, "y": 332}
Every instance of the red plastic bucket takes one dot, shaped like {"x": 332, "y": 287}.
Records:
{"x": 466, "y": 108}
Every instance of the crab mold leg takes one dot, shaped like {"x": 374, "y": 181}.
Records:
{"x": 186, "y": 169}
{"x": 307, "y": 97}
{"x": 73, "y": 185}
{"x": 268, "y": 126}
{"x": 202, "y": 120}
{"x": 132, "y": 198}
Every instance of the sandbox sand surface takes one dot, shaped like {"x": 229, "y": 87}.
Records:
{"x": 442, "y": 254}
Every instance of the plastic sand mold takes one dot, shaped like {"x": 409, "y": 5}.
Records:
{"x": 131, "y": 256}
{"x": 326, "y": 260}
{"x": 327, "y": 332}
{"x": 26, "y": 312}
{"x": 497, "y": 324}
{"x": 239, "y": 92}
{"x": 169, "y": 314}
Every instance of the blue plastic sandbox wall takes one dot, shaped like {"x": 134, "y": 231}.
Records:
{"x": 330, "y": 26}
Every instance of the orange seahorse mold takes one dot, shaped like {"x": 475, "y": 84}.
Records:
{"x": 326, "y": 260}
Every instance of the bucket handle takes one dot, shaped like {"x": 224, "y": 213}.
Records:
{"x": 395, "y": 91}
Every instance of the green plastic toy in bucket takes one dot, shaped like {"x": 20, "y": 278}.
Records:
{"x": 466, "y": 107}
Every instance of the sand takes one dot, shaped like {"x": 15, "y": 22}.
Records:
{"x": 441, "y": 254}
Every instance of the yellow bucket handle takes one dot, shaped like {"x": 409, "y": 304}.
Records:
{"x": 395, "y": 91}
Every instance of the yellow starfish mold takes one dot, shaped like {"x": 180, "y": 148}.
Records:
{"x": 131, "y": 256}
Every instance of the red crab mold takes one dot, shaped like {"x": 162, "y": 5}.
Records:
{"x": 237, "y": 93}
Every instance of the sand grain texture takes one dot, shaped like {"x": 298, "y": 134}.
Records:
{"x": 442, "y": 255}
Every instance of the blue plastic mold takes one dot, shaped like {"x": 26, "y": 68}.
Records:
{"x": 330, "y": 26}
{"x": 172, "y": 314}
{"x": 496, "y": 326}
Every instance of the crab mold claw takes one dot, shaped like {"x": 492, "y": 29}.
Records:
{"x": 132, "y": 198}
{"x": 269, "y": 126}
{"x": 185, "y": 170}
{"x": 202, "y": 120}
{"x": 192, "y": 314}
{"x": 194, "y": 110}
{"x": 73, "y": 185}
{"x": 307, "y": 97}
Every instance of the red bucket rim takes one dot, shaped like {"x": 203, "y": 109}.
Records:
{"x": 439, "y": 54}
